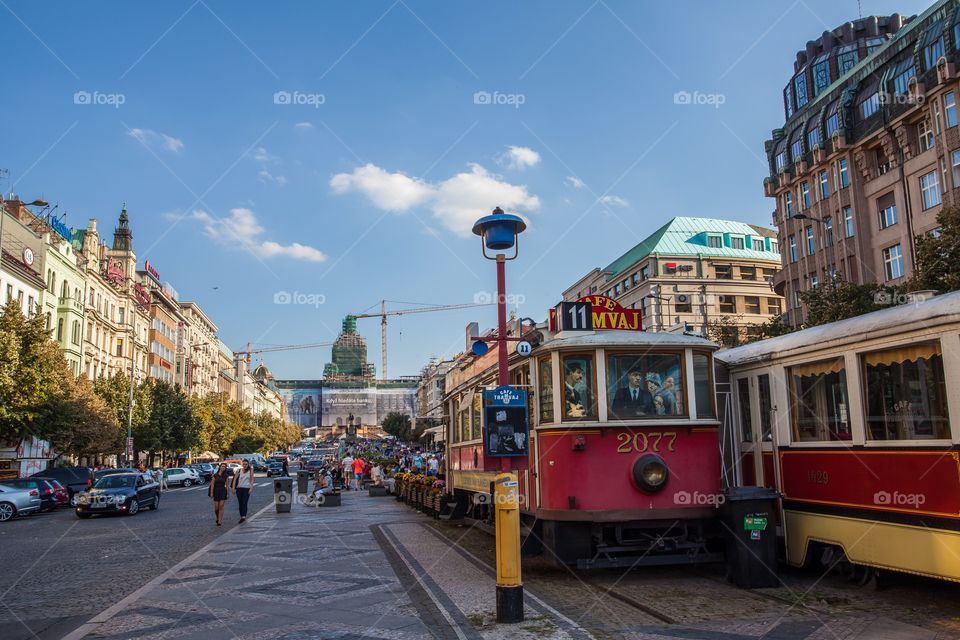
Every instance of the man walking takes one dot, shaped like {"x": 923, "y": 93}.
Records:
{"x": 347, "y": 464}
{"x": 358, "y": 472}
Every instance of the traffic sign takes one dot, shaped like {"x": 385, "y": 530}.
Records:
{"x": 130, "y": 446}
{"x": 524, "y": 348}
{"x": 479, "y": 348}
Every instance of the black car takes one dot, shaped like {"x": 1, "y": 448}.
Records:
{"x": 119, "y": 493}
{"x": 109, "y": 472}
{"x": 205, "y": 470}
{"x": 75, "y": 479}
{"x": 48, "y": 498}
{"x": 274, "y": 469}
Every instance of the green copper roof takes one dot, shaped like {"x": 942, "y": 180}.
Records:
{"x": 688, "y": 237}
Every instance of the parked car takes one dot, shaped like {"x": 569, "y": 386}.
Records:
{"x": 182, "y": 476}
{"x": 274, "y": 469}
{"x": 17, "y": 502}
{"x": 119, "y": 493}
{"x": 60, "y": 492}
{"x": 48, "y": 498}
{"x": 106, "y": 472}
{"x": 313, "y": 465}
{"x": 205, "y": 471}
{"x": 75, "y": 479}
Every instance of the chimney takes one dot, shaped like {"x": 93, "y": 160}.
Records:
{"x": 873, "y": 27}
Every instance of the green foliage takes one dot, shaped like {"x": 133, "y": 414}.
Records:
{"x": 115, "y": 392}
{"x": 247, "y": 444}
{"x": 938, "y": 258}
{"x": 171, "y": 425}
{"x": 398, "y": 424}
{"x": 838, "y": 300}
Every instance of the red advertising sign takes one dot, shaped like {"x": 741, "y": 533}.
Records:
{"x": 142, "y": 295}
{"x": 115, "y": 274}
{"x": 153, "y": 272}
{"x": 607, "y": 314}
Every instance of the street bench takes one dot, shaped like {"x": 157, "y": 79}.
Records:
{"x": 323, "y": 500}
{"x": 377, "y": 492}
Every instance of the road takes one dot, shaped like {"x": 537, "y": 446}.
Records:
{"x": 60, "y": 571}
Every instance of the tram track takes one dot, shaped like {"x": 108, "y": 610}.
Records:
{"x": 631, "y": 601}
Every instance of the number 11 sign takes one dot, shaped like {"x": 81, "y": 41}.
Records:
{"x": 576, "y": 316}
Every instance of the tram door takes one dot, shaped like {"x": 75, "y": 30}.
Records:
{"x": 754, "y": 409}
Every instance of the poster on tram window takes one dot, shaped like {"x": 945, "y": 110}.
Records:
{"x": 505, "y": 426}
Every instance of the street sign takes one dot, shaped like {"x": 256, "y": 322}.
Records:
{"x": 524, "y": 348}
{"x": 505, "y": 426}
{"x": 130, "y": 447}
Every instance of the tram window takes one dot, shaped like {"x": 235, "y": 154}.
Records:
{"x": 644, "y": 385}
{"x": 475, "y": 416}
{"x": 766, "y": 406}
{"x": 458, "y": 420}
{"x": 702, "y": 386}
{"x": 579, "y": 387}
{"x": 546, "y": 389}
{"x": 743, "y": 399}
{"x": 818, "y": 401}
{"x": 464, "y": 424}
{"x": 906, "y": 393}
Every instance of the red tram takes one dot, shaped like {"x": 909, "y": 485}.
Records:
{"x": 624, "y": 466}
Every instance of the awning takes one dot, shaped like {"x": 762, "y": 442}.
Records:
{"x": 821, "y": 368}
{"x": 908, "y": 353}
{"x": 931, "y": 34}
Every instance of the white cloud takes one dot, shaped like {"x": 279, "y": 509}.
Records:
{"x": 387, "y": 191}
{"x": 242, "y": 228}
{"x": 265, "y": 176}
{"x": 575, "y": 182}
{"x": 614, "y": 201}
{"x": 456, "y": 202}
{"x": 151, "y": 137}
{"x": 260, "y": 155}
{"x": 304, "y": 125}
{"x": 519, "y": 158}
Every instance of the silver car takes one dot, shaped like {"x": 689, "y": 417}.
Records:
{"x": 15, "y": 501}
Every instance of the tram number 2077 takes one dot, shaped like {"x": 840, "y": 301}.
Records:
{"x": 640, "y": 441}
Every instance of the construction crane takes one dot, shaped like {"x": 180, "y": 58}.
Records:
{"x": 399, "y": 312}
{"x": 245, "y": 355}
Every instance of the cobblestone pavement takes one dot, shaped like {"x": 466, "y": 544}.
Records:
{"x": 59, "y": 571}
{"x": 699, "y": 603}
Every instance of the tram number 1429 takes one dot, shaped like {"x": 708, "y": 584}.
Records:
{"x": 640, "y": 441}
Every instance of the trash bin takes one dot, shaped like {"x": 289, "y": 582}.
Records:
{"x": 749, "y": 516}
{"x": 303, "y": 479}
{"x": 283, "y": 494}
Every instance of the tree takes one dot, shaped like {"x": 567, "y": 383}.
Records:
{"x": 171, "y": 425}
{"x": 246, "y": 444}
{"x": 398, "y": 424}
{"x": 938, "y": 256}
{"x": 115, "y": 392}
{"x": 726, "y": 330}
{"x": 837, "y": 299}
{"x": 34, "y": 376}
{"x": 92, "y": 426}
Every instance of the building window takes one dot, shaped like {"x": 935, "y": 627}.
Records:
{"x": 844, "y": 175}
{"x": 955, "y": 162}
{"x": 901, "y": 84}
{"x": 780, "y": 161}
{"x": 805, "y": 194}
{"x": 906, "y": 395}
{"x": 748, "y": 273}
{"x": 792, "y": 241}
{"x": 828, "y": 231}
{"x": 932, "y": 53}
{"x": 870, "y": 106}
{"x": 774, "y": 246}
{"x": 728, "y": 304}
{"x": 833, "y": 123}
{"x": 714, "y": 241}
{"x": 811, "y": 241}
{"x": 824, "y": 186}
{"x": 925, "y": 135}
{"x": 950, "y": 108}
{"x": 930, "y": 190}
{"x": 888, "y": 217}
{"x": 616, "y": 289}
{"x": 796, "y": 149}
{"x": 893, "y": 262}
{"x": 813, "y": 137}
{"x": 797, "y": 300}
{"x": 788, "y": 98}
{"x": 625, "y": 284}
{"x": 758, "y": 245}
{"x": 75, "y": 333}
{"x": 847, "y": 59}
{"x": 818, "y": 401}
{"x": 814, "y": 281}
{"x": 773, "y": 306}
{"x": 848, "y": 221}
{"x": 751, "y": 304}
{"x": 821, "y": 76}
{"x": 723, "y": 271}
{"x": 736, "y": 242}
{"x": 800, "y": 85}
{"x": 119, "y": 346}
{"x": 788, "y": 203}
{"x": 60, "y": 330}
{"x": 635, "y": 278}
{"x": 644, "y": 272}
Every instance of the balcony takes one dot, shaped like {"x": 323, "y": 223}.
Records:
{"x": 69, "y": 303}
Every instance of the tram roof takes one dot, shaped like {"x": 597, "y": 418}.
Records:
{"x": 627, "y": 339}
{"x": 886, "y": 321}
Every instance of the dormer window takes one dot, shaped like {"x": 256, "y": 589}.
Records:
{"x": 736, "y": 242}
{"x": 932, "y": 43}
{"x": 800, "y": 85}
{"x": 715, "y": 241}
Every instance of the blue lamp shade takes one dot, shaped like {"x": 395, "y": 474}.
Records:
{"x": 499, "y": 230}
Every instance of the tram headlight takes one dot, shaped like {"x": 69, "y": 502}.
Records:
{"x": 650, "y": 473}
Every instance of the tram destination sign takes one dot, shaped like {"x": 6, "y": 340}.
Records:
{"x": 505, "y": 429}
{"x": 594, "y": 313}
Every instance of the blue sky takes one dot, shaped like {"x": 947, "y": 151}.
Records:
{"x": 340, "y": 150}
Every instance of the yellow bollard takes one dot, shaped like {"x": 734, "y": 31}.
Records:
{"x": 506, "y": 501}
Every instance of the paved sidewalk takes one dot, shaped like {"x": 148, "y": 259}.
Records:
{"x": 367, "y": 569}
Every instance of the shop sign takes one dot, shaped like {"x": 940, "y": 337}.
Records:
{"x": 153, "y": 272}
{"x": 62, "y": 230}
{"x": 605, "y": 314}
{"x": 142, "y": 295}
{"x": 505, "y": 425}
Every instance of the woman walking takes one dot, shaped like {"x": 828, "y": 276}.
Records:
{"x": 219, "y": 491}
{"x": 243, "y": 487}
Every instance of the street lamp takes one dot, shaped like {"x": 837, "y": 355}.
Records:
{"x": 498, "y": 232}
{"x": 803, "y": 216}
